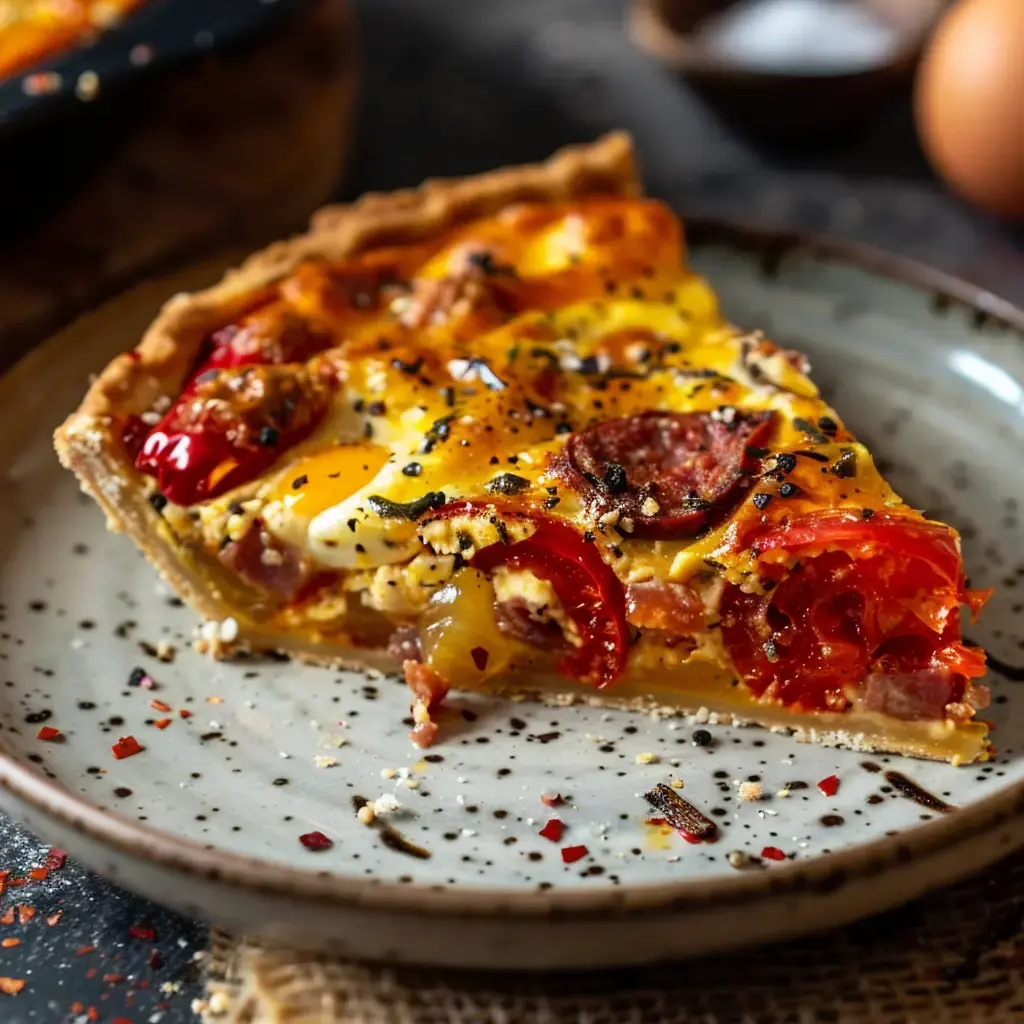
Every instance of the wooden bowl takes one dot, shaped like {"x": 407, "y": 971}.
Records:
{"x": 781, "y": 103}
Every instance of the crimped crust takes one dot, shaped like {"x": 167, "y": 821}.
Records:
{"x": 87, "y": 442}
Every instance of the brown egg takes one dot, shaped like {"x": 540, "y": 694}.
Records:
{"x": 970, "y": 103}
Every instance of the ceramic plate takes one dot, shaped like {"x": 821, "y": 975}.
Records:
{"x": 207, "y": 818}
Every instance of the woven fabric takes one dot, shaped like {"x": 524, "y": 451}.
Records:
{"x": 954, "y": 957}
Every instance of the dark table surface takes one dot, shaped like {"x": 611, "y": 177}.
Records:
{"x": 460, "y": 86}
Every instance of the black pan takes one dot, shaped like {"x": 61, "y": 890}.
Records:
{"x": 51, "y": 142}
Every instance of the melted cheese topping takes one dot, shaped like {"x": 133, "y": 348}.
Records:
{"x": 486, "y": 350}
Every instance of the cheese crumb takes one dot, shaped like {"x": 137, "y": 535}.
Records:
{"x": 676, "y": 783}
{"x": 750, "y": 791}
{"x": 323, "y": 761}
{"x": 388, "y": 773}
{"x": 738, "y": 859}
{"x": 647, "y": 758}
{"x": 387, "y": 803}
{"x": 366, "y": 814}
{"x": 412, "y": 783}
{"x": 650, "y": 507}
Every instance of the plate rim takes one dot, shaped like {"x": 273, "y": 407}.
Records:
{"x": 825, "y": 873}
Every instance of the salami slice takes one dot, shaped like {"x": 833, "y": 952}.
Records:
{"x": 668, "y": 475}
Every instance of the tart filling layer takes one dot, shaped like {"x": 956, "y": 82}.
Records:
{"x": 523, "y": 443}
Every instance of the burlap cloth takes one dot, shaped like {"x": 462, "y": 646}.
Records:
{"x": 951, "y": 958}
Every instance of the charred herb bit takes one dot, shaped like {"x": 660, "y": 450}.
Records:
{"x": 480, "y": 656}
{"x": 816, "y": 435}
{"x": 563, "y": 428}
{"x": 440, "y": 430}
{"x": 377, "y": 408}
{"x": 680, "y": 813}
{"x": 771, "y": 652}
{"x": 788, "y": 490}
{"x": 846, "y": 465}
{"x": 754, "y": 452}
{"x": 712, "y": 563}
{"x": 827, "y": 425}
{"x": 448, "y": 394}
{"x": 808, "y": 454}
{"x": 761, "y": 500}
{"x": 508, "y": 484}
{"x": 502, "y": 529}
{"x": 158, "y": 501}
{"x": 464, "y": 539}
{"x": 268, "y": 437}
{"x": 615, "y": 480}
{"x": 412, "y": 469}
{"x": 411, "y": 369}
{"x": 483, "y": 260}
{"x": 299, "y": 482}
{"x": 785, "y": 463}
{"x": 550, "y": 503}
{"x": 866, "y": 513}
{"x": 412, "y": 510}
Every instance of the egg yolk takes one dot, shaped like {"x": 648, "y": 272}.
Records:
{"x": 318, "y": 482}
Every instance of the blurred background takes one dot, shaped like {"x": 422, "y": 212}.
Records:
{"x": 137, "y": 135}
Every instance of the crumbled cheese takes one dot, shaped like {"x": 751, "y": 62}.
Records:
{"x": 412, "y": 783}
{"x": 750, "y": 791}
{"x": 676, "y": 783}
{"x": 610, "y": 518}
{"x": 626, "y": 524}
{"x": 366, "y": 814}
{"x": 738, "y": 859}
{"x": 647, "y": 758}
{"x": 650, "y": 507}
{"x": 386, "y": 803}
{"x": 783, "y": 793}
{"x": 323, "y": 761}
{"x": 388, "y": 773}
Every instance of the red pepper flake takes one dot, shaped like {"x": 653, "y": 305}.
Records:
{"x": 155, "y": 960}
{"x": 8, "y": 917}
{"x": 11, "y": 986}
{"x": 829, "y": 786}
{"x": 49, "y": 734}
{"x": 184, "y": 713}
{"x": 480, "y": 656}
{"x": 553, "y": 830}
{"x": 92, "y": 972}
{"x": 54, "y": 918}
{"x": 77, "y": 1007}
{"x": 25, "y": 914}
{"x": 92, "y": 1013}
{"x": 571, "y": 854}
{"x": 316, "y": 841}
{"x": 55, "y": 858}
{"x": 10, "y": 943}
{"x": 17, "y": 882}
{"x": 772, "y": 853}
{"x": 112, "y": 979}
{"x": 38, "y": 874}
{"x": 551, "y": 799}
{"x": 126, "y": 746}
{"x": 120, "y": 1020}
{"x": 159, "y": 705}
{"x": 162, "y": 723}
{"x": 693, "y": 839}
{"x": 81, "y": 951}
{"x": 140, "y": 931}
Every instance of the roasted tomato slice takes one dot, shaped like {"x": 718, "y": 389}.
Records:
{"x": 271, "y": 335}
{"x": 229, "y": 427}
{"x": 588, "y": 589}
{"x": 851, "y": 601}
{"x": 670, "y": 474}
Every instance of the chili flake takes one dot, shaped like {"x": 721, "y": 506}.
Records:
{"x": 159, "y": 705}
{"x": 162, "y": 723}
{"x": 38, "y": 874}
{"x": 772, "y": 853}
{"x": 11, "y": 986}
{"x": 126, "y": 746}
{"x": 316, "y": 841}
{"x": 10, "y": 943}
{"x": 55, "y": 858}
{"x": 54, "y": 918}
{"x": 480, "y": 657}
{"x": 829, "y": 786}
{"x": 571, "y": 854}
{"x": 49, "y": 733}
{"x": 553, "y": 830}
{"x": 138, "y": 931}
{"x": 551, "y": 799}
{"x": 8, "y": 916}
{"x": 25, "y": 914}
{"x": 184, "y": 713}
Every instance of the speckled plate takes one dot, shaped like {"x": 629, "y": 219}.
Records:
{"x": 207, "y": 818}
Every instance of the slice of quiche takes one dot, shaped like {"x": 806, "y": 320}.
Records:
{"x": 494, "y": 433}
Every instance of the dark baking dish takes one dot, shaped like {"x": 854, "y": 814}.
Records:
{"x": 51, "y": 141}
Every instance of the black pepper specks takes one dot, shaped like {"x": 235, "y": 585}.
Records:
{"x": 507, "y": 484}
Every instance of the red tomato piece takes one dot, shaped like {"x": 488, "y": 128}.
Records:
{"x": 859, "y": 601}
{"x": 571, "y": 854}
{"x": 588, "y": 588}
{"x": 553, "y": 830}
{"x": 126, "y": 746}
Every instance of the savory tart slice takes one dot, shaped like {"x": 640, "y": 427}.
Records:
{"x": 494, "y": 433}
